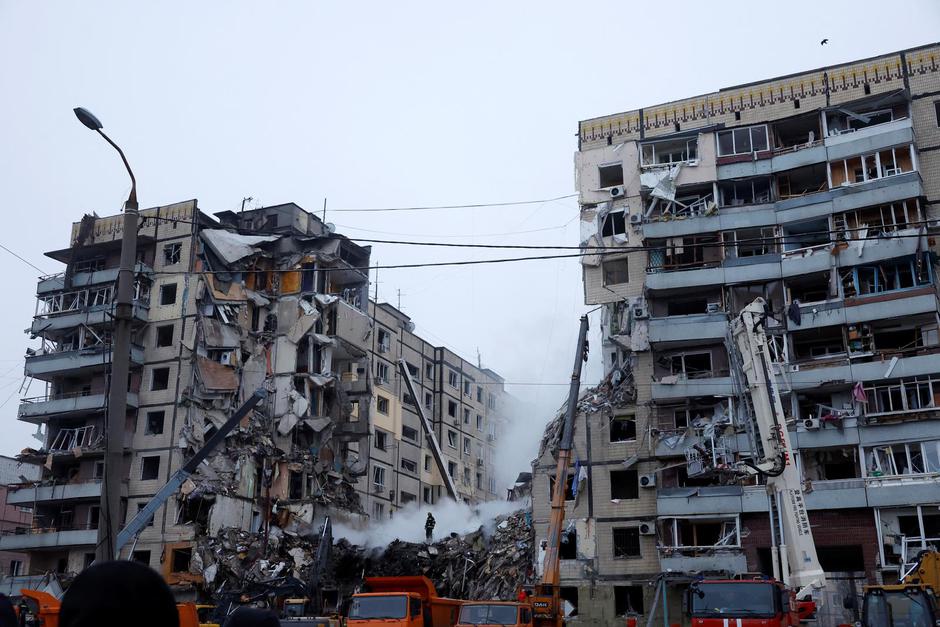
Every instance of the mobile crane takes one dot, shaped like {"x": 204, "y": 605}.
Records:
{"x": 546, "y": 601}
{"x": 796, "y": 565}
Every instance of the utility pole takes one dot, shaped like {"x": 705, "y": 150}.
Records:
{"x": 109, "y": 520}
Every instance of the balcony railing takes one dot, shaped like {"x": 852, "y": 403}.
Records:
{"x": 79, "y": 300}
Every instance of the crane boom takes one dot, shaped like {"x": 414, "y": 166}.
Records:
{"x": 547, "y": 602}
{"x": 799, "y": 563}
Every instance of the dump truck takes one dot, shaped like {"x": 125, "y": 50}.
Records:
{"x": 402, "y": 601}
{"x": 505, "y": 613}
{"x": 41, "y": 609}
{"x": 911, "y": 603}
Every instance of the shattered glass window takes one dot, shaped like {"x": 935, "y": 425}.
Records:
{"x": 627, "y": 542}
{"x": 172, "y": 253}
{"x": 615, "y": 272}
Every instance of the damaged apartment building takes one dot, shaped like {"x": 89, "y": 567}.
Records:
{"x": 818, "y": 192}
{"x": 266, "y": 298}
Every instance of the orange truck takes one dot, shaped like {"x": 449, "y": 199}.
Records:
{"x": 401, "y": 602}
{"x": 42, "y": 609}
{"x": 502, "y": 613}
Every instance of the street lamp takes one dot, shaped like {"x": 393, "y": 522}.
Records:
{"x": 109, "y": 519}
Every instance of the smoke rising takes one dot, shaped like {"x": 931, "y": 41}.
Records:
{"x": 407, "y": 524}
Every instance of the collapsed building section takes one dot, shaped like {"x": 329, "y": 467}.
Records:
{"x": 265, "y": 298}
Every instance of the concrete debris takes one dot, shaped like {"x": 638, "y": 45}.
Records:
{"x": 232, "y": 247}
{"x": 486, "y": 564}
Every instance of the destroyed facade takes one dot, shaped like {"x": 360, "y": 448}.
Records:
{"x": 818, "y": 192}
{"x": 270, "y": 298}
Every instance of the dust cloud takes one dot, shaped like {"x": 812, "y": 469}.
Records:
{"x": 407, "y": 524}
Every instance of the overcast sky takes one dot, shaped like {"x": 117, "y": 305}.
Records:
{"x": 380, "y": 104}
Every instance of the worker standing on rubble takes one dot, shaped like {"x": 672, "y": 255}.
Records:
{"x": 429, "y": 527}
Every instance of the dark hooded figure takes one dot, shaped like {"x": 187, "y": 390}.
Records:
{"x": 252, "y": 617}
{"x": 7, "y": 614}
{"x": 118, "y": 594}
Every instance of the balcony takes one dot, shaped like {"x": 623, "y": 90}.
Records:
{"x": 39, "y": 539}
{"x": 687, "y": 328}
{"x": 48, "y": 365}
{"x": 690, "y": 388}
{"x": 88, "y": 307}
{"x": 881, "y": 306}
{"x": 730, "y": 561}
{"x": 38, "y": 409}
{"x": 56, "y": 282}
{"x": 870, "y": 139}
{"x": 806, "y": 377}
{"x": 903, "y": 490}
{"x": 50, "y": 493}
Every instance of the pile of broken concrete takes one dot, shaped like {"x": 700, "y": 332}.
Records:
{"x": 490, "y": 563}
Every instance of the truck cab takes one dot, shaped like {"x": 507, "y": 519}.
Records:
{"x": 509, "y": 614}
{"x": 757, "y": 602}
{"x": 401, "y": 601}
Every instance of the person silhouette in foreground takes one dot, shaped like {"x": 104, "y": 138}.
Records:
{"x": 7, "y": 613}
{"x": 252, "y": 617}
{"x": 118, "y": 594}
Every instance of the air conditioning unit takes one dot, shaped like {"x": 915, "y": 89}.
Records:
{"x": 811, "y": 424}
{"x": 647, "y": 529}
{"x": 640, "y": 312}
{"x": 226, "y": 359}
{"x": 636, "y": 219}
{"x": 713, "y": 307}
{"x": 616, "y": 192}
{"x": 648, "y": 481}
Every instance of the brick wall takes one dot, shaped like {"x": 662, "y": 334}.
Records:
{"x": 833, "y": 528}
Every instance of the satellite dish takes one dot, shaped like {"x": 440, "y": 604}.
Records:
{"x": 330, "y": 228}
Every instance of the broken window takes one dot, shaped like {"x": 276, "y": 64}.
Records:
{"x": 886, "y": 277}
{"x": 407, "y": 497}
{"x": 381, "y": 404}
{"x": 872, "y": 166}
{"x": 180, "y": 559}
{"x": 912, "y": 394}
{"x": 610, "y": 174}
{"x": 818, "y": 343}
{"x": 295, "y": 485}
{"x": 426, "y": 495}
{"x": 165, "y": 335}
{"x": 452, "y": 409}
{"x": 409, "y": 433}
{"x": 750, "y": 242}
{"x": 155, "y": 420}
{"x": 747, "y": 192}
{"x": 740, "y": 141}
{"x": 381, "y": 439}
{"x": 149, "y": 467}
{"x": 809, "y": 234}
{"x": 569, "y": 594}
{"x": 700, "y": 532}
{"x": 168, "y": 294}
{"x": 452, "y": 379}
{"x": 491, "y": 401}
{"x": 845, "y": 121}
{"x": 160, "y": 379}
{"x": 466, "y": 446}
{"x": 569, "y": 487}
{"x": 628, "y": 600}
{"x": 616, "y": 272}
{"x": 624, "y": 484}
{"x": 378, "y": 510}
{"x": 407, "y": 399}
{"x": 413, "y": 370}
{"x": 626, "y": 541}
{"x": 669, "y": 151}
{"x": 381, "y": 372}
{"x": 809, "y": 288}
{"x": 142, "y": 557}
{"x": 466, "y": 416}
{"x": 378, "y": 477}
{"x": 797, "y": 132}
{"x": 877, "y": 221}
{"x": 802, "y": 181}
{"x": 614, "y": 224}
{"x": 409, "y": 465}
{"x": 569, "y": 545}
{"x": 452, "y": 469}
{"x": 428, "y": 400}
{"x": 683, "y": 253}
{"x": 692, "y": 365}
{"x": 622, "y": 428}
{"x": 479, "y": 394}
{"x": 479, "y": 422}
{"x": 451, "y": 438}
{"x": 172, "y": 253}
{"x": 427, "y": 463}
{"x": 479, "y": 481}
{"x": 384, "y": 341}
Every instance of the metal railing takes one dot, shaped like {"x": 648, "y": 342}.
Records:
{"x": 59, "y": 396}
{"x": 82, "y": 437}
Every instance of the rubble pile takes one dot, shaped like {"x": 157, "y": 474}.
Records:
{"x": 486, "y": 564}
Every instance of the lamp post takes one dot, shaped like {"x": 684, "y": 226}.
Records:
{"x": 109, "y": 519}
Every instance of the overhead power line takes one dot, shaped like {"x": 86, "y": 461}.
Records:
{"x": 469, "y": 206}
{"x": 28, "y": 263}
